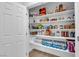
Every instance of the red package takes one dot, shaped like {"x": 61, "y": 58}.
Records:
{"x": 66, "y": 34}
{"x": 42, "y": 11}
{"x": 63, "y": 34}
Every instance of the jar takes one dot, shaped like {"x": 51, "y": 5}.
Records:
{"x": 72, "y": 34}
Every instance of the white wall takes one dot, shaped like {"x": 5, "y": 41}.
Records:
{"x": 77, "y": 28}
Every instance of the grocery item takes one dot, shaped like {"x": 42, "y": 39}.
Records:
{"x": 36, "y": 14}
{"x": 61, "y": 27}
{"x": 42, "y": 32}
{"x": 34, "y": 27}
{"x": 71, "y": 45}
{"x": 51, "y": 26}
{"x": 39, "y": 32}
{"x": 72, "y": 26}
{"x": 55, "y": 44}
{"x": 59, "y": 44}
{"x": 69, "y": 26}
{"x": 42, "y": 11}
{"x": 64, "y": 33}
{"x": 57, "y": 33}
{"x": 72, "y": 34}
{"x": 53, "y": 19}
{"x": 56, "y": 10}
{"x": 41, "y": 20}
{"x": 30, "y": 15}
{"x": 66, "y": 26}
{"x": 53, "y": 33}
{"x": 40, "y": 26}
{"x": 56, "y": 27}
{"x": 48, "y": 32}
{"x": 33, "y": 33}
{"x": 69, "y": 18}
{"x": 45, "y": 20}
{"x": 61, "y": 8}
{"x": 46, "y": 42}
{"x": 46, "y": 26}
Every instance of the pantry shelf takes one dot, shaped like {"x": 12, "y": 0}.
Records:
{"x": 55, "y": 14}
{"x": 50, "y": 37}
{"x": 52, "y": 22}
{"x": 48, "y": 30}
{"x": 53, "y": 29}
{"x": 55, "y": 51}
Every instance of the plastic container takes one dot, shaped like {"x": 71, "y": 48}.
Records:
{"x": 46, "y": 42}
{"x": 59, "y": 45}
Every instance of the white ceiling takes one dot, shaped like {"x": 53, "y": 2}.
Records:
{"x": 27, "y": 3}
{"x": 31, "y": 4}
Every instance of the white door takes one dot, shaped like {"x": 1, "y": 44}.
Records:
{"x": 77, "y": 28}
{"x": 13, "y": 21}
